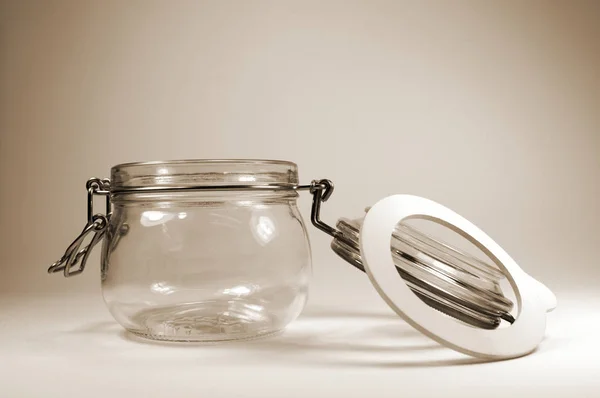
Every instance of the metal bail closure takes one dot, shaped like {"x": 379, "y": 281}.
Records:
{"x": 74, "y": 260}
{"x": 533, "y": 298}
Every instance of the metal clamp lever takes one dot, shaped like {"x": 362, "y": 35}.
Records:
{"x": 96, "y": 223}
{"x": 321, "y": 191}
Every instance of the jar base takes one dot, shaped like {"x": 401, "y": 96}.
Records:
{"x": 205, "y": 339}
{"x": 204, "y": 322}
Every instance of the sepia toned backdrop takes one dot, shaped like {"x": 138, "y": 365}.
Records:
{"x": 491, "y": 108}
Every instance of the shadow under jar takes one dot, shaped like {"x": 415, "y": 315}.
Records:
{"x": 205, "y": 250}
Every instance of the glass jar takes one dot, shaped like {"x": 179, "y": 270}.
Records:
{"x": 208, "y": 250}
{"x": 195, "y": 253}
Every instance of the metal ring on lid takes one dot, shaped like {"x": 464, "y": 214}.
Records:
{"x": 443, "y": 277}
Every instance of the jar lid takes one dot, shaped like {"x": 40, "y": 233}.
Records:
{"x": 440, "y": 278}
{"x": 533, "y": 298}
{"x": 204, "y": 174}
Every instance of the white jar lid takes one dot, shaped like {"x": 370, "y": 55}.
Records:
{"x": 533, "y": 298}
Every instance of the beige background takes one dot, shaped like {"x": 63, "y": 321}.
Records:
{"x": 491, "y": 108}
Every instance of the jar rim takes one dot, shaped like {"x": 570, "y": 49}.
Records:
{"x": 206, "y": 161}
{"x": 203, "y": 174}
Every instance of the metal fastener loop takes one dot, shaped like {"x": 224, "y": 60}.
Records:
{"x": 74, "y": 259}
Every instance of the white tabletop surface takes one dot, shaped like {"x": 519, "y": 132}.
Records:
{"x": 69, "y": 346}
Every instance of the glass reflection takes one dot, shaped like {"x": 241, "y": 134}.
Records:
{"x": 151, "y": 218}
{"x": 263, "y": 228}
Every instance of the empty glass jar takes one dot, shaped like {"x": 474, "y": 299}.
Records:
{"x": 208, "y": 250}
{"x": 202, "y": 250}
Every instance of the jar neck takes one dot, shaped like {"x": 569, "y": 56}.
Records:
{"x": 239, "y": 197}
{"x": 203, "y": 174}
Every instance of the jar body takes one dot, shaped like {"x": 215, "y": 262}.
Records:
{"x": 205, "y": 266}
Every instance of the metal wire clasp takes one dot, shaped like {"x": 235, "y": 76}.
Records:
{"x": 321, "y": 191}
{"x": 74, "y": 260}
